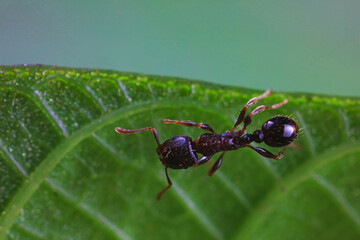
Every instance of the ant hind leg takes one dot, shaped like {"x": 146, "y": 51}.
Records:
{"x": 126, "y": 131}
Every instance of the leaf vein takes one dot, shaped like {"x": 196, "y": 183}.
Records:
{"x": 12, "y": 161}
{"x": 345, "y": 119}
{"x": 195, "y": 210}
{"x": 95, "y": 216}
{"x": 29, "y": 231}
{"x": 123, "y": 89}
{"x": 339, "y": 197}
{"x": 235, "y": 190}
{"x": 311, "y": 141}
{"x": 270, "y": 167}
{"x": 96, "y": 98}
{"x": 52, "y": 114}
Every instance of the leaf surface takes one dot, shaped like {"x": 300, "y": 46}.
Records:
{"x": 66, "y": 174}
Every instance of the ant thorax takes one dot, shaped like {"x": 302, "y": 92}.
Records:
{"x": 209, "y": 144}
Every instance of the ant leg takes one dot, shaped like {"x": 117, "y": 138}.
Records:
{"x": 125, "y": 131}
{"x": 160, "y": 194}
{"x": 202, "y": 126}
{"x": 248, "y": 104}
{"x": 216, "y": 165}
{"x": 258, "y": 110}
{"x": 265, "y": 153}
{"x": 202, "y": 160}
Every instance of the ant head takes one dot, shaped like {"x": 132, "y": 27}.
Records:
{"x": 279, "y": 131}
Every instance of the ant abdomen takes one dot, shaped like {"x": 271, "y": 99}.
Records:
{"x": 177, "y": 153}
{"x": 279, "y": 131}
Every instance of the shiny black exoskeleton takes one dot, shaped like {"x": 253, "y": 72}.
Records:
{"x": 180, "y": 152}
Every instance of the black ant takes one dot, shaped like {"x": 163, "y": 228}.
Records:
{"x": 180, "y": 152}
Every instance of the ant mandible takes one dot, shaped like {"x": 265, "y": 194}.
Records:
{"x": 180, "y": 152}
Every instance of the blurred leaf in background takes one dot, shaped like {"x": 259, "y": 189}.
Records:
{"x": 292, "y": 46}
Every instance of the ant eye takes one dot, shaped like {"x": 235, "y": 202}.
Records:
{"x": 279, "y": 131}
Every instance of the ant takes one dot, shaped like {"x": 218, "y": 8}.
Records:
{"x": 180, "y": 152}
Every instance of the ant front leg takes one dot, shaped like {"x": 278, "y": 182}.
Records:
{"x": 258, "y": 110}
{"x": 247, "y": 105}
{"x": 126, "y": 131}
{"x": 160, "y": 194}
{"x": 216, "y": 165}
{"x": 265, "y": 153}
{"x": 202, "y": 126}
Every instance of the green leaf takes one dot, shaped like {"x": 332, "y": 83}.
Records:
{"x": 66, "y": 174}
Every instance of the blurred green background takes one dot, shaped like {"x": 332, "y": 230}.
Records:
{"x": 303, "y": 46}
